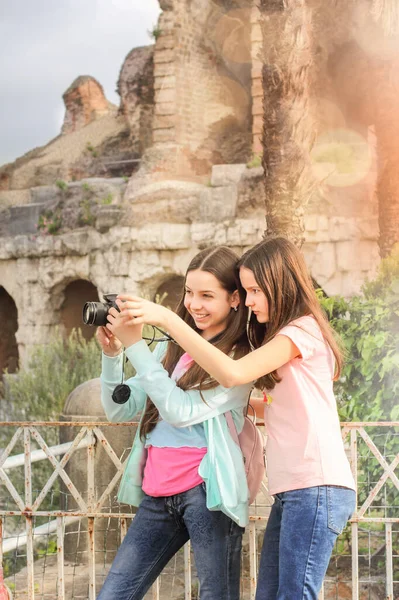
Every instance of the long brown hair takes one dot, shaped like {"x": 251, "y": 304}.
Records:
{"x": 281, "y": 273}
{"x": 221, "y": 262}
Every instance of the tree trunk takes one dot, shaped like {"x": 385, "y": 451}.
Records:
{"x": 287, "y": 127}
{"x": 387, "y": 132}
{"x": 386, "y": 88}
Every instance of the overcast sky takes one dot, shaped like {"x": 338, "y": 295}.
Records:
{"x": 45, "y": 45}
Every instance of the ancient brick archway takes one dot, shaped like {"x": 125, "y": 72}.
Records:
{"x": 76, "y": 294}
{"x": 170, "y": 291}
{"x": 9, "y": 357}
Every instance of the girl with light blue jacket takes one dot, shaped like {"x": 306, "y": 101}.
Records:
{"x": 185, "y": 473}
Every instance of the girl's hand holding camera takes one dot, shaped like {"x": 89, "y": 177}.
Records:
{"x": 109, "y": 343}
{"x": 117, "y": 326}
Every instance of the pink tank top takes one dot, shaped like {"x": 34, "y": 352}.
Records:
{"x": 174, "y": 453}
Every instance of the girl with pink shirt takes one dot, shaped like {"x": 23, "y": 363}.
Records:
{"x": 295, "y": 360}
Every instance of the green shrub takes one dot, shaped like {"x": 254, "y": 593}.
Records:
{"x": 49, "y": 222}
{"x": 155, "y": 32}
{"x": 387, "y": 277}
{"x": 62, "y": 185}
{"x": 369, "y": 326}
{"x": 54, "y": 370}
{"x": 255, "y": 162}
{"x": 39, "y": 392}
{"x": 90, "y": 148}
{"x": 107, "y": 200}
{"x": 86, "y": 217}
{"x": 87, "y": 187}
{"x": 368, "y": 389}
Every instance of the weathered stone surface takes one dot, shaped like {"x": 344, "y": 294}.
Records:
{"x": 167, "y": 211}
{"x": 136, "y": 89}
{"x": 171, "y": 222}
{"x": 218, "y": 204}
{"x": 76, "y": 205}
{"x": 15, "y": 198}
{"x": 107, "y": 217}
{"x": 163, "y": 236}
{"x": 357, "y": 255}
{"x": 109, "y": 190}
{"x": 76, "y": 155}
{"x": 24, "y": 219}
{"x": 84, "y": 102}
{"x": 323, "y": 260}
{"x": 46, "y": 194}
{"x": 65, "y": 269}
{"x": 227, "y": 174}
{"x": 164, "y": 202}
{"x": 82, "y": 242}
{"x": 245, "y": 232}
{"x": 251, "y": 192}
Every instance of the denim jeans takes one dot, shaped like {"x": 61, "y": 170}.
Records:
{"x": 299, "y": 539}
{"x": 159, "y": 529}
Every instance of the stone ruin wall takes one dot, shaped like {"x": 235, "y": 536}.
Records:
{"x": 192, "y": 188}
{"x": 202, "y": 85}
{"x": 98, "y": 139}
{"x": 154, "y": 241}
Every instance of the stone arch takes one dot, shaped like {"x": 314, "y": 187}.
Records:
{"x": 170, "y": 290}
{"x": 76, "y": 293}
{"x": 9, "y": 356}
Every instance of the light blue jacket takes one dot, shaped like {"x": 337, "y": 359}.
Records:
{"x": 222, "y": 468}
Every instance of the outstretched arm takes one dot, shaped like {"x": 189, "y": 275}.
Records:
{"x": 227, "y": 371}
{"x": 176, "y": 406}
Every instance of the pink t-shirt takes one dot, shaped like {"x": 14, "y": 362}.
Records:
{"x": 304, "y": 444}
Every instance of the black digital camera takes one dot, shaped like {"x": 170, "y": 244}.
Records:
{"x": 95, "y": 313}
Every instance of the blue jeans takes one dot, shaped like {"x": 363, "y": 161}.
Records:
{"x": 299, "y": 539}
{"x": 159, "y": 529}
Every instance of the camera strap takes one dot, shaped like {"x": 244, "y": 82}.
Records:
{"x": 121, "y": 393}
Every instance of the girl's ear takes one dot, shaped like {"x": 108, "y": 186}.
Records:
{"x": 235, "y": 299}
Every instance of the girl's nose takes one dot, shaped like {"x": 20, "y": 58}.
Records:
{"x": 195, "y": 304}
{"x": 248, "y": 301}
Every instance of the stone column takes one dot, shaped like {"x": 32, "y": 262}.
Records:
{"x": 83, "y": 405}
{"x": 164, "y": 123}
{"x": 202, "y": 92}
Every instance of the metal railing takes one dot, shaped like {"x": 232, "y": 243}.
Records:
{"x": 373, "y": 467}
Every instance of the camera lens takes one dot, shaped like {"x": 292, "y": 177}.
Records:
{"x": 95, "y": 313}
{"x": 89, "y": 313}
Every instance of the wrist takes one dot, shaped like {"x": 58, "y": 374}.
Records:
{"x": 170, "y": 319}
{"x": 132, "y": 343}
{"x": 111, "y": 354}
{"x": 131, "y": 340}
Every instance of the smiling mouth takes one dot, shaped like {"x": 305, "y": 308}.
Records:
{"x": 199, "y": 317}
